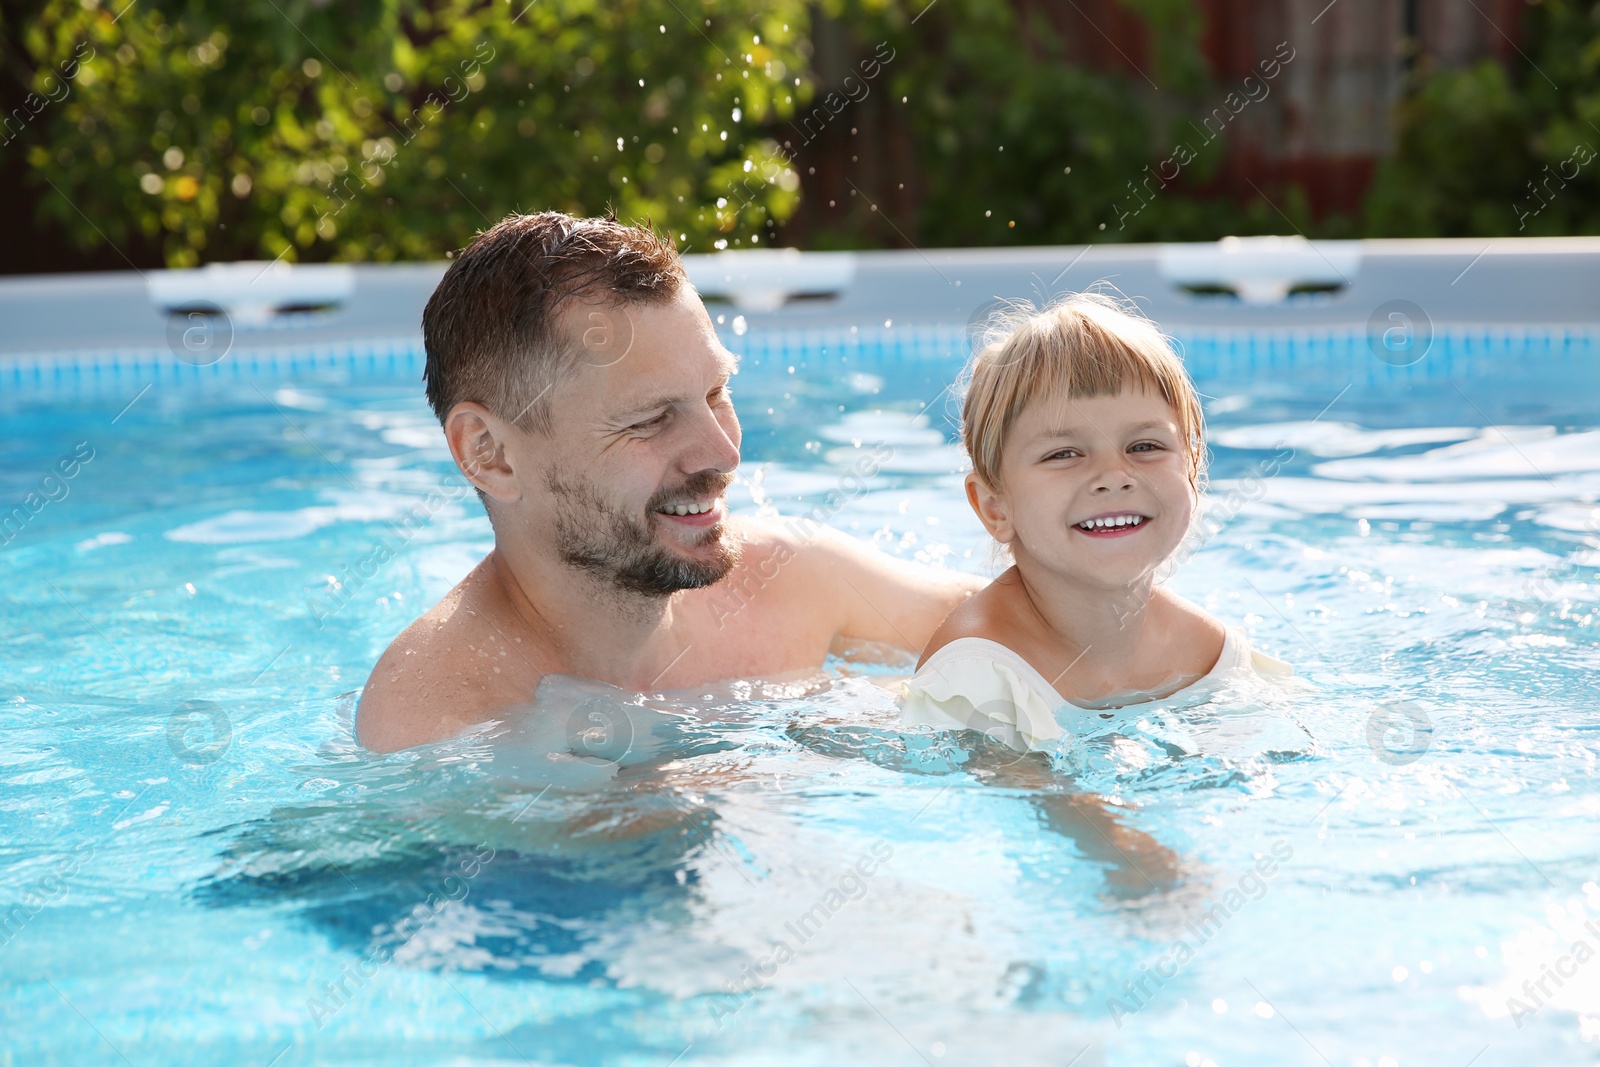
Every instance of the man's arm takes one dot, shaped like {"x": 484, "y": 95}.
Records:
{"x": 879, "y": 597}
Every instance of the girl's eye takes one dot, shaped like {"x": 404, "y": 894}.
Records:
{"x": 1145, "y": 446}
{"x": 1065, "y": 453}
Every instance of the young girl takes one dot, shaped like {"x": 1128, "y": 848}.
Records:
{"x": 1087, "y": 448}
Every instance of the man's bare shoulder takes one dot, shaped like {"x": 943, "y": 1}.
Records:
{"x": 868, "y": 594}
{"x": 823, "y": 551}
{"x": 793, "y": 554}
{"x": 777, "y": 535}
{"x": 448, "y": 670}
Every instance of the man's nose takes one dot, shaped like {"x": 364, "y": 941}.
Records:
{"x": 711, "y": 445}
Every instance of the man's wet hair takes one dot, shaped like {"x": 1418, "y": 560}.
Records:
{"x": 493, "y": 329}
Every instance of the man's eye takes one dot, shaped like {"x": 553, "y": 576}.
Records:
{"x": 650, "y": 424}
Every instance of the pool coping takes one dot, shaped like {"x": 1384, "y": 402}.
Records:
{"x": 884, "y": 307}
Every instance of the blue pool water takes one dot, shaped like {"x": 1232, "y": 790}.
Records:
{"x": 200, "y": 866}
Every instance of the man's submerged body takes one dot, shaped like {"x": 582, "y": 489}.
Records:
{"x": 789, "y": 599}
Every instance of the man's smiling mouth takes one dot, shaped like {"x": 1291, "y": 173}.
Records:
{"x": 698, "y": 502}
{"x": 689, "y": 508}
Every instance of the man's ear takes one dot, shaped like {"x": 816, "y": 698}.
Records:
{"x": 990, "y": 508}
{"x": 478, "y": 439}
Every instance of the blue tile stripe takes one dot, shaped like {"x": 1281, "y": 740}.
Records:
{"x": 93, "y": 372}
{"x": 1298, "y": 357}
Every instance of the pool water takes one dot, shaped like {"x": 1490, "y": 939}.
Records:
{"x": 1363, "y": 866}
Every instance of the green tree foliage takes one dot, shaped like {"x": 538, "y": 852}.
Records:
{"x": 1484, "y": 152}
{"x": 391, "y": 129}
{"x": 394, "y": 129}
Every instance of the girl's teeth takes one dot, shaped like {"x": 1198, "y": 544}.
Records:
{"x": 1113, "y": 522}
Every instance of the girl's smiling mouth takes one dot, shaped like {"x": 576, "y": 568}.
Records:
{"x": 1113, "y": 524}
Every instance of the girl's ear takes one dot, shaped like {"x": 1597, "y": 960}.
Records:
{"x": 990, "y": 507}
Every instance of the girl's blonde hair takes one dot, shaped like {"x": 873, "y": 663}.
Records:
{"x": 1084, "y": 345}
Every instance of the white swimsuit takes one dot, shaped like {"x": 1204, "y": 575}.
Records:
{"x": 973, "y": 683}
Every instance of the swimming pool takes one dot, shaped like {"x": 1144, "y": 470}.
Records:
{"x": 200, "y": 865}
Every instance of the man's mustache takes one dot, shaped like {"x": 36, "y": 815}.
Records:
{"x": 703, "y": 483}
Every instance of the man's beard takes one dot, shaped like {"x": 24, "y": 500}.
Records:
{"x": 623, "y": 552}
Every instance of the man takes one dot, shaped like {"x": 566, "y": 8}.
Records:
{"x": 584, "y": 393}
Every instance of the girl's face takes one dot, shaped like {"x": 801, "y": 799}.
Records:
{"x": 1096, "y": 489}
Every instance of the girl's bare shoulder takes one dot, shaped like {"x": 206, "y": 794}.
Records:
{"x": 1190, "y": 628}
{"x": 990, "y": 613}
